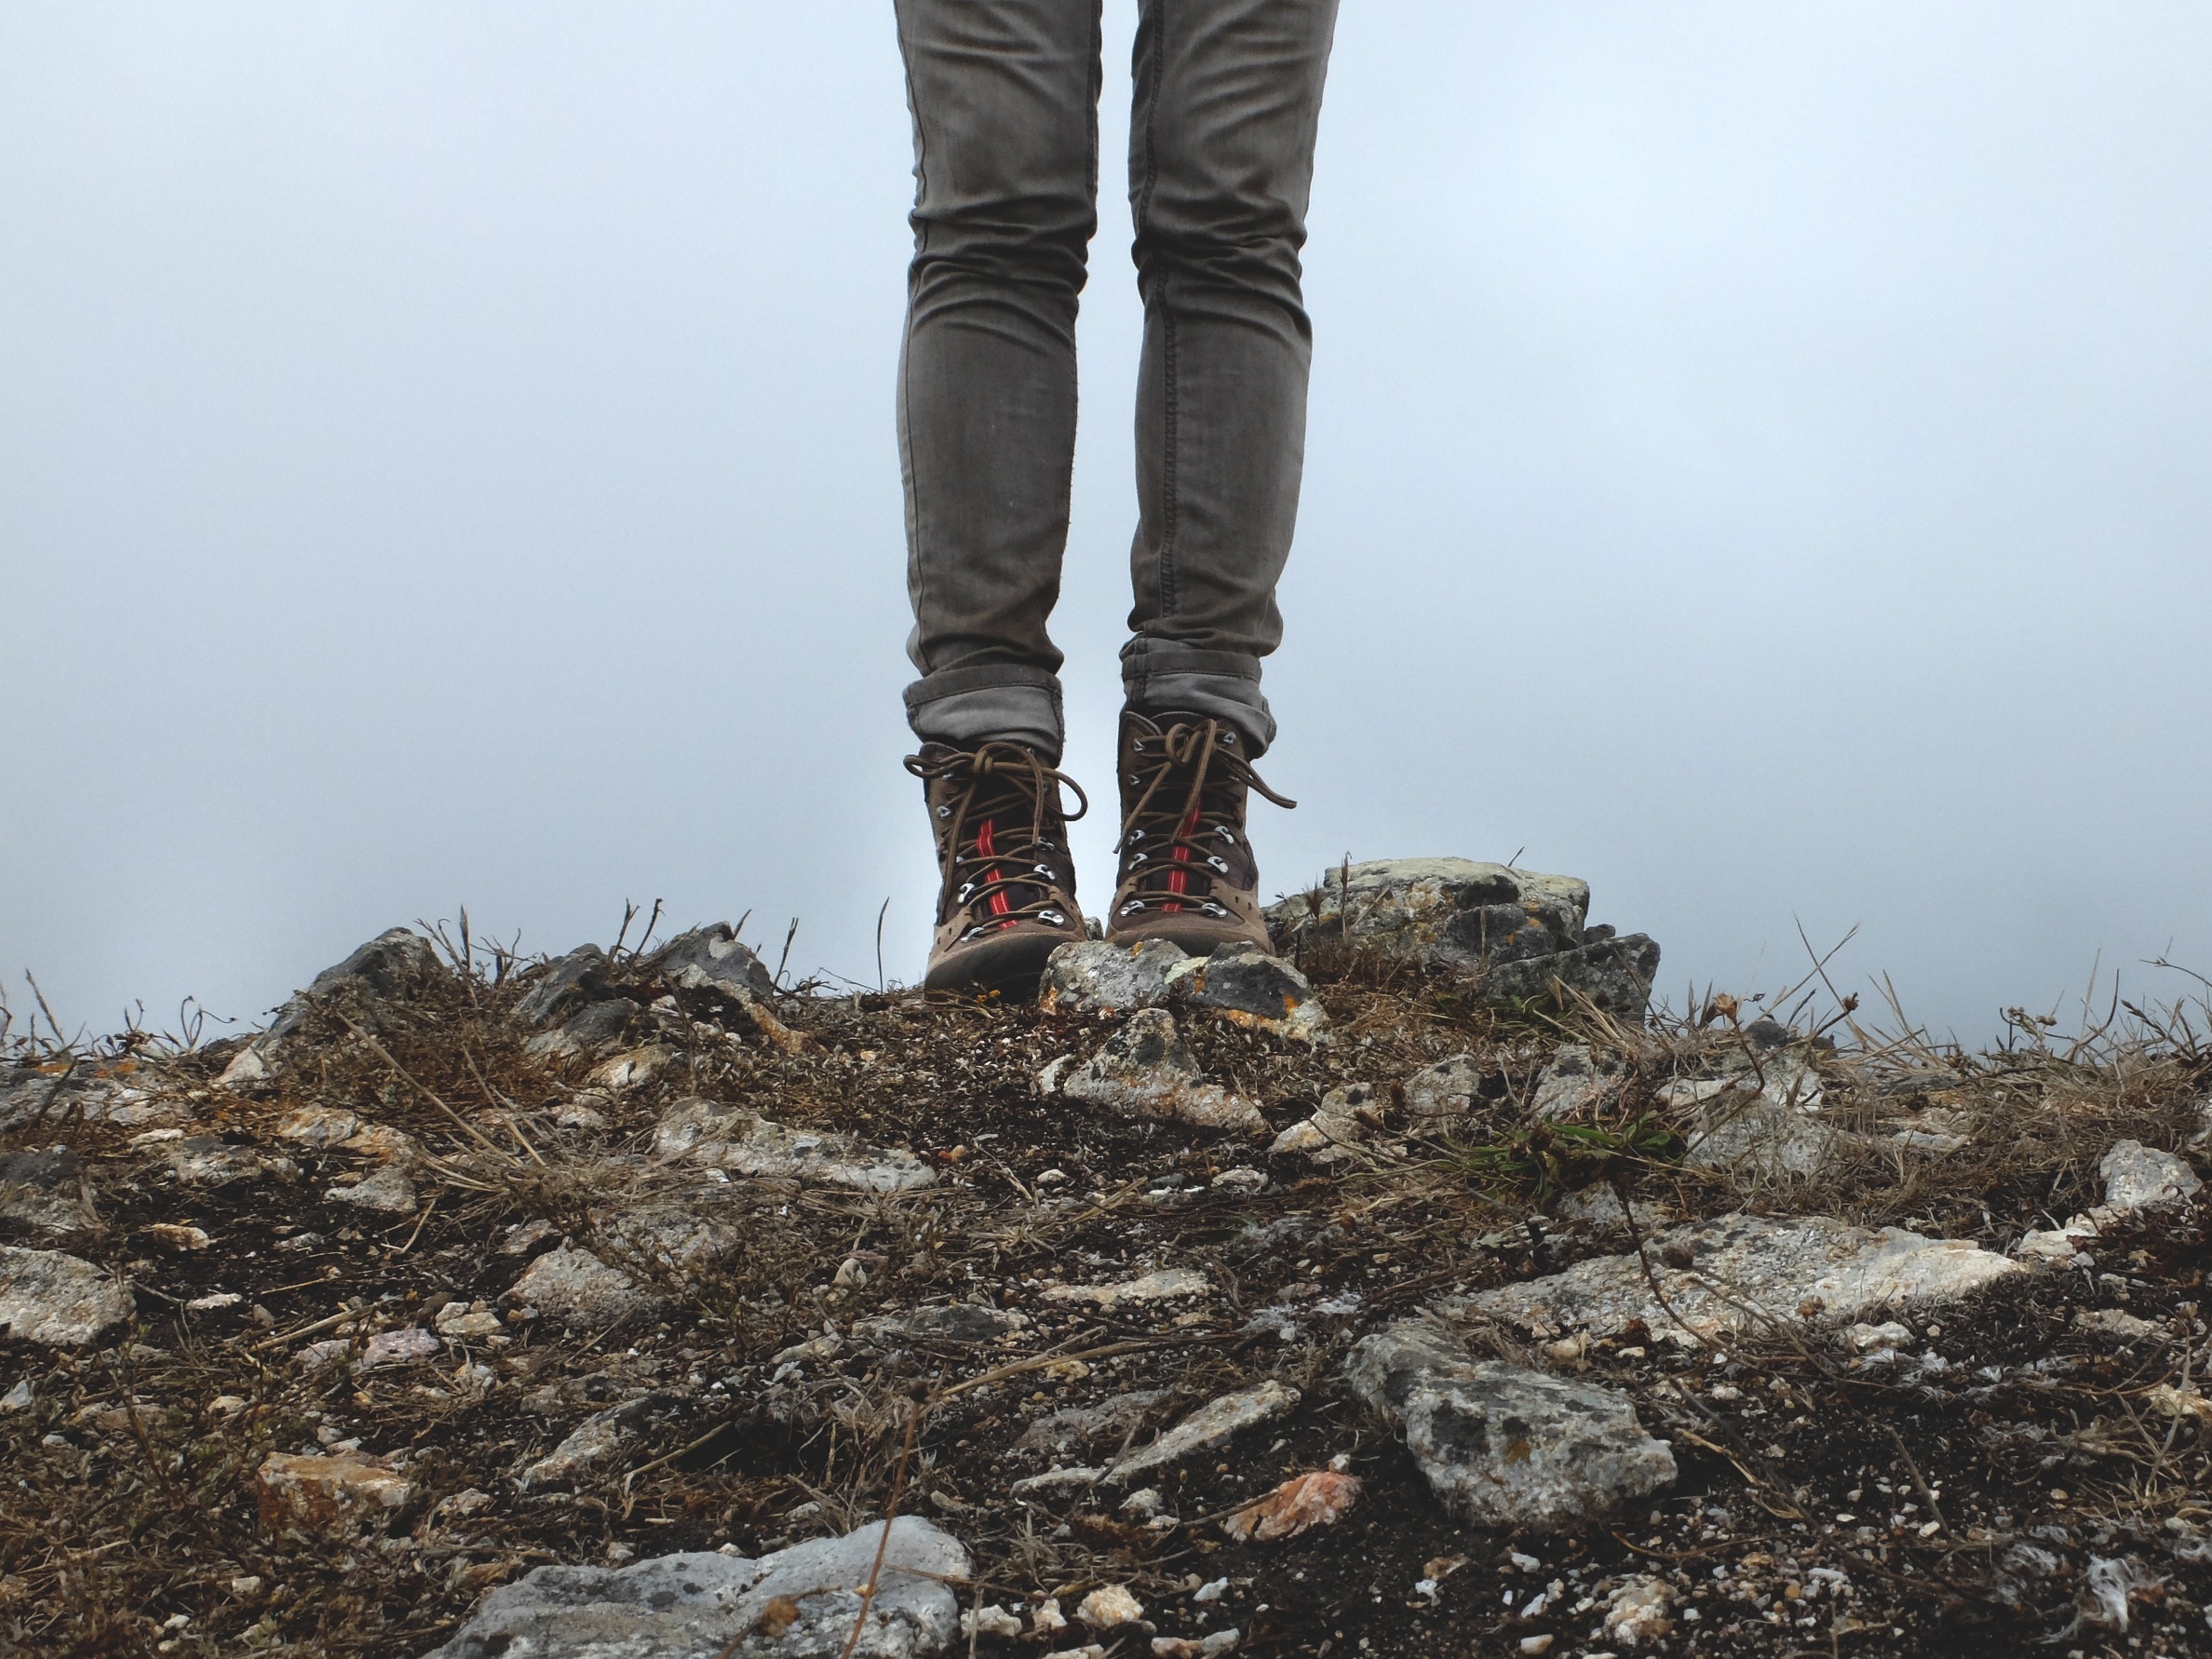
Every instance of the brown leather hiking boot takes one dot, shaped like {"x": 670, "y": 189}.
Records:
{"x": 1007, "y": 900}
{"x": 1187, "y": 872}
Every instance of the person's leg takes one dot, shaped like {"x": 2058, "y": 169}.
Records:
{"x": 1005, "y": 95}
{"x": 1004, "y": 101}
{"x": 1228, "y": 98}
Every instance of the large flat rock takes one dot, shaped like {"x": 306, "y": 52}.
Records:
{"x": 1740, "y": 1272}
{"x": 698, "y": 1606}
{"x": 1503, "y": 1446}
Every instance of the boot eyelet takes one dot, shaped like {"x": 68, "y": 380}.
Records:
{"x": 1219, "y": 863}
{"x": 944, "y": 812}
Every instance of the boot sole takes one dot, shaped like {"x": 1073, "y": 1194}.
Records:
{"x": 1012, "y": 966}
{"x": 1195, "y": 937}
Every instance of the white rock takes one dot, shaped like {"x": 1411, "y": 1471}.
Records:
{"x": 1209, "y": 1425}
{"x": 1241, "y": 1180}
{"x": 2126, "y": 1327}
{"x": 1866, "y": 1338}
{"x": 1108, "y": 1608}
{"x": 594, "y": 1441}
{"x": 1344, "y": 1119}
{"x": 576, "y": 1284}
{"x": 685, "y": 1606}
{"x": 1444, "y": 1091}
{"x": 1574, "y": 1082}
{"x": 2136, "y": 1177}
{"x": 1745, "y": 1271}
{"x": 726, "y": 1137}
{"x": 1769, "y": 1131}
{"x": 387, "y": 1191}
{"x": 59, "y": 1299}
{"x": 1504, "y": 1446}
{"x": 1145, "y": 1070}
{"x": 1161, "y": 1285}
{"x": 990, "y": 1619}
{"x": 1057, "y": 1480}
{"x": 396, "y": 1347}
{"x": 1637, "y": 1612}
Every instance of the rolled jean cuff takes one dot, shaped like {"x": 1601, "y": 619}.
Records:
{"x": 965, "y": 706}
{"x": 1168, "y": 679}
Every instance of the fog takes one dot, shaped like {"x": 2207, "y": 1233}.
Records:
{"x": 1759, "y": 463}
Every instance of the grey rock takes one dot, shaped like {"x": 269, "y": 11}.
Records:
{"x": 1503, "y": 1446}
{"x": 1248, "y": 987}
{"x": 1614, "y": 976}
{"x": 1146, "y": 1070}
{"x": 59, "y": 1299}
{"x": 1093, "y": 977}
{"x": 1443, "y": 912}
{"x": 596, "y": 1441}
{"x": 1747, "y": 1272}
{"x": 727, "y": 1138}
{"x": 391, "y": 967}
{"x": 1118, "y": 1419}
{"x": 711, "y": 958}
{"x": 1210, "y": 1425}
{"x": 956, "y": 1325}
{"x": 1574, "y": 1082}
{"x": 1763, "y": 1124}
{"x": 566, "y": 982}
{"x": 46, "y": 1190}
{"x": 587, "y": 1030}
{"x": 387, "y": 1191}
{"x": 701, "y": 1606}
{"x": 1346, "y": 1117}
{"x": 2138, "y": 1177}
{"x": 205, "y": 1161}
{"x": 576, "y": 1284}
{"x": 1444, "y": 1091}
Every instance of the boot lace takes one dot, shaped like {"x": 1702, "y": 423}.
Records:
{"x": 1002, "y": 789}
{"x": 1172, "y": 842}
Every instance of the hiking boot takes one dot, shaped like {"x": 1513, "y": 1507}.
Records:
{"x": 1007, "y": 900}
{"x": 1187, "y": 871}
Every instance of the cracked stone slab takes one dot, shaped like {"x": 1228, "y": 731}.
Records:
{"x": 1146, "y": 1070}
{"x": 62, "y": 1300}
{"x": 694, "y": 1606}
{"x": 1612, "y": 974}
{"x": 1092, "y": 977}
{"x": 576, "y": 1284}
{"x": 1504, "y": 1446}
{"x": 726, "y": 1137}
{"x": 1209, "y": 1425}
{"x": 1740, "y": 1272}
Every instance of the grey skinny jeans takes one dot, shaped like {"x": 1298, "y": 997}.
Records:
{"x": 1005, "y": 98}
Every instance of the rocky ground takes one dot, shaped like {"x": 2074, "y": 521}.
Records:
{"x": 1412, "y": 1292}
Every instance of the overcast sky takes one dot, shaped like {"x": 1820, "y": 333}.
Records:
{"x": 1761, "y": 461}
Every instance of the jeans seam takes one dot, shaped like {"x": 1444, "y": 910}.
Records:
{"x": 1164, "y": 573}
{"x": 905, "y": 410}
